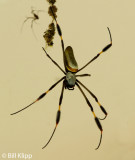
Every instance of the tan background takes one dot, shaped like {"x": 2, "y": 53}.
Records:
{"x": 26, "y": 72}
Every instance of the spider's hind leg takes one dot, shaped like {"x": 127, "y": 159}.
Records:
{"x": 58, "y": 115}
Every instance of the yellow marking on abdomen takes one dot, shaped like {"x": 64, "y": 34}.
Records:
{"x": 71, "y": 69}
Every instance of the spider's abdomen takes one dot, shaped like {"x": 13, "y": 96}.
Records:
{"x": 70, "y": 62}
{"x": 70, "y": 80}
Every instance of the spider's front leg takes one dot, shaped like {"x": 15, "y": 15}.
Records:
{"x": 103, "y": 50}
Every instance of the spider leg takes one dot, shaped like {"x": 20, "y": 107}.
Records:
{"x": 103, "y": 50}
{"x": 25, "y": 21}
{"x": 32, "y": 22}
{"x": 40, "y": 97}
{"x": 32, "y": 27}
{"x": 59, "y": 31}
{"x": 96, "y": 119}
{"x": 33, "y": 11}
{"x": 40, "y": 11}
{"x": 58, "y": 115}
{"x": 82, "y": 75}
{"x": 54, "y": 61}
{"x": 96, "y": 99}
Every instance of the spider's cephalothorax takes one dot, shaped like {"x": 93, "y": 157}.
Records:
{"x": 70, "y": 80}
